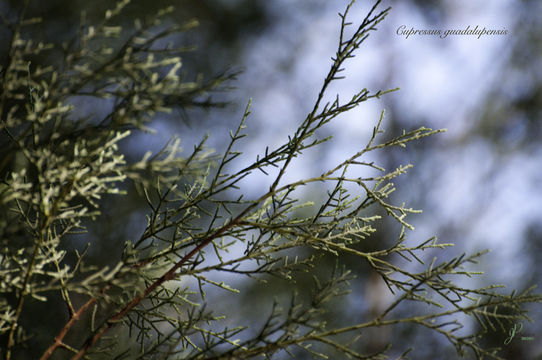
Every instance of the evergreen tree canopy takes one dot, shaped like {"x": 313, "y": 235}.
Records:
{"x": 171, "y": 290}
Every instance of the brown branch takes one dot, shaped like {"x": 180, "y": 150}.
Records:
{"x": 169, "y": 275}
{"x": 58, "y": 339}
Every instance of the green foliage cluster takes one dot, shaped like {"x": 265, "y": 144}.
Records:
{"x": 59, "y": 165}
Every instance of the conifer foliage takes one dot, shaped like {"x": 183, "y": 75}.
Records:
{"x": 61, "y": 162}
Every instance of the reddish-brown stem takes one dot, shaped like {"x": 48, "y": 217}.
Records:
{"x": 60, "y": 337}
{"x": 170, "y": 274}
